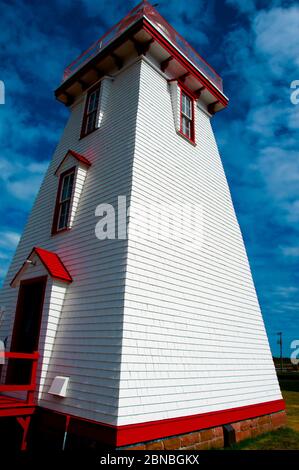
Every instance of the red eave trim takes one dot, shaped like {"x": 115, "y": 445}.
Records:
{"x": 133, "y": 433}
{"x": 133, "y": 29}
{"x": 16, "y": 275}
{"x": 52, "y": 263}
{"x": 17, "y": 411}
{"x": 142, "y": 432}
{"x": 77, "y": 156}
{"x": 143, "y": 23}
{"x": 186, "y": 91}
{"x": 180, "y": 58}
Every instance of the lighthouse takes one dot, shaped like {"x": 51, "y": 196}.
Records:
{"x": 129, "y": 308}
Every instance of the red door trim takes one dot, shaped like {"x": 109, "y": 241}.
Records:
{"x": 19, "y": 305}
{"x": 188, "y": 65}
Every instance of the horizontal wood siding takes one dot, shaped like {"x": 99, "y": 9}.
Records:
{"x": 194, "y": 338}
{"x": 148, "y": 329}
{"x": 86, "y": 344}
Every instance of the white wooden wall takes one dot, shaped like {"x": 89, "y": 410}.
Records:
{"x": 87, "y": 346}
{"x": 148, "y": 330}
{"x": 194, "y": 339}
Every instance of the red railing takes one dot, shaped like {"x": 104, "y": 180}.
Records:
{"x": 29, "y": 388}
{"x": 145, "y": 9}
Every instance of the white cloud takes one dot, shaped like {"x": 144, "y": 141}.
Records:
{"x": 8, "y": 243}
{"x": 265, "y": 119}
{"x": 9, "y": 240}
{"x": 291, "y": 251}
{"x": 277, "y": 37}
{"x": 37, "y": 167}
{"x": 26, "y": 188}
{"x": 263, "y": 58}
{"x": 292, "y": 209}
{"x": 21, "y": 178}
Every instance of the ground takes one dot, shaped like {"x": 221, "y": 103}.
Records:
{"x": 283, "y": 439}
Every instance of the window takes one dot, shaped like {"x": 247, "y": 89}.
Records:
{"x": 187, "y": 116}
{"x": 63, "y": 201}
{"x": 91, "y": 111}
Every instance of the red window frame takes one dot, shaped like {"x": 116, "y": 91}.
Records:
{"x": 90, "y": 115}
{"x": 59, "y": 202}
{"x": 188, "y": 94}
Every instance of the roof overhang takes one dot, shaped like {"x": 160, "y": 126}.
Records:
{"x": 50, "y": 260}
{"x": 80, "y": 158}
{"x": 145, "y": 32}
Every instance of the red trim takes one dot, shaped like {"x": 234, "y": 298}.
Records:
{"x": 10, "y": 406}
{"x": 181, "y": 59}
{"x": 92, "y": 63}
{"x": 16, "y": 411}
{"x": 144, "y": 24}
{"x": 15, "y": 388}
{"x": 144, "y": 9}
{"x": 55, "y": 229}
{"x": 14, "y": 355}
{"x": 16, "y": 327}
{"x": 185, "y": 88}
{"x": 146, "y": 431}
{"x": 24, "y": 423}
{"x": 133, "y": 433}
{"x": 76, "y": 155}
{"x": 51, "y": 262}
{"x": 117, "y": 26}
{"x": 186, "y": 92}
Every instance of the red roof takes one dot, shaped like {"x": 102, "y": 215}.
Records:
{"x": 52, "y": 263}
{"x": 76, "y": 155}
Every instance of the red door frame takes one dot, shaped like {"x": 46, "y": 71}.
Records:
{"x": 42, "y": 279}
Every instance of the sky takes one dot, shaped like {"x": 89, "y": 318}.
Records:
{"x": 252, "y": 44}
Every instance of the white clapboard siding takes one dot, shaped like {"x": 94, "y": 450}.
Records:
{"x": 84, "y": 342}
{"x": 194, "y": 339}
{"x": 150, "y": 328}
{"x": 105, "y": 89}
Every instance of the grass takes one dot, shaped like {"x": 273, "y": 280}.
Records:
{"x": 290, "y": 391}
{"x": 282, "y": 439}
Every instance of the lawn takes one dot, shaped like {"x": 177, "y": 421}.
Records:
{"x": 290, "y": 391}
{"x": 282, "y": 439}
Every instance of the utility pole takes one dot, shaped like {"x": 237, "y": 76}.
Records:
{"x": 279, "y": 341}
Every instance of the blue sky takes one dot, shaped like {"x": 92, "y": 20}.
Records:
{"x": 253, "y": 44}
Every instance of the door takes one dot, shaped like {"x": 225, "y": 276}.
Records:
{"x": 26, "y": 328}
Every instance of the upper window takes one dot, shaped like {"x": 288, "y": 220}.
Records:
{"x": 63, "y": 201}
{"x": 187, "y": 116}
{"x": 89, "y": 123}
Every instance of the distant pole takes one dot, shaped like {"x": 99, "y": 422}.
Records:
{"x": 279, "y": 341}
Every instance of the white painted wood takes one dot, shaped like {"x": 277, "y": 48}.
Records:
{"x": 59, "y": 386}
{"x": 194, "y": 339}
{"x": 93, "y": 303}
{"x": 149, "y": 329}
{"x": 175, "y": 101}
{"x": 105, "y": 89}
